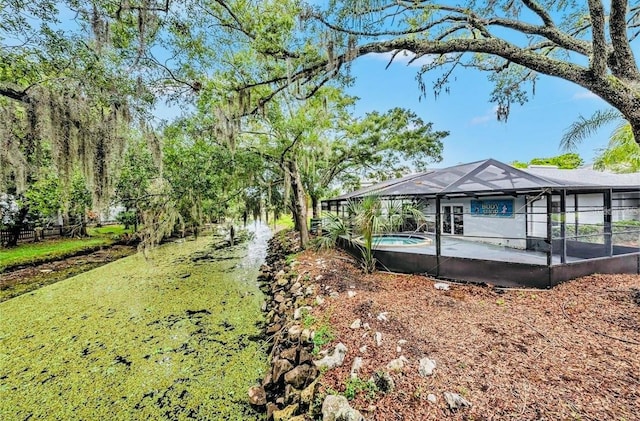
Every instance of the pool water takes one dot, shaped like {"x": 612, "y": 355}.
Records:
{"x": 398, "y": 241}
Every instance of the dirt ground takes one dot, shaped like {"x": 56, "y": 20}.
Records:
{"x": 570, "y": 353}
{"x": 21, "y": 281}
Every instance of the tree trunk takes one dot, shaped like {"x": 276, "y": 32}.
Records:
{"x": 299, "y": 203}
{"x": 16, "y": 228}
{"x": 316, "y": 206}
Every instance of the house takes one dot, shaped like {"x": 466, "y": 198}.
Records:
{"x": 495, "y": 223}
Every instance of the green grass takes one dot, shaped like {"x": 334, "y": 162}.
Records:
{"x": 31, "y": 253}
{"x": 161, "y": 337}
{"x": 108, "y": 231}
{"x": 59, "y": 248}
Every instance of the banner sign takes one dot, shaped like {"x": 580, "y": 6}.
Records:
{"x": 502, "y": 208}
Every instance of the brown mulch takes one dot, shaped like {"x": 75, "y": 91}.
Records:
{"x": 571, "y": 353}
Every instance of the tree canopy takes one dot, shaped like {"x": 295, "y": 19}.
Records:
{"x": 514, "y": 41}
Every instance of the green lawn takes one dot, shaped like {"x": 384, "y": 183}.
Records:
{"x": 47, "y": 250}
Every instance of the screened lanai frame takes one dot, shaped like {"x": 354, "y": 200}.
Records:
{"x": 566, "y": 256}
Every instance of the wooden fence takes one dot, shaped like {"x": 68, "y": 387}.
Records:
{"x": 30, "y": 234}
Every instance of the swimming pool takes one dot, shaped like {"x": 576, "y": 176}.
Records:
{"x": 398, "y": 240}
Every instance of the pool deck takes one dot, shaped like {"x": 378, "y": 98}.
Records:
{"x": 457, "y": 247}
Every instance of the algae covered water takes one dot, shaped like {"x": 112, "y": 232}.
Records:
{"x": 170, "y": 336}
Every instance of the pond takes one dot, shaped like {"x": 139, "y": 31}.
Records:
{"x": 171, "y": 336}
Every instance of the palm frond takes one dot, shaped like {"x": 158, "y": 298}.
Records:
{"x": 586, "y": 127}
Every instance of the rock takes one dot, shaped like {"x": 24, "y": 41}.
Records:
{"x": 301, "y": 312}
{"x": 398, "y": 349}
{"x": 456, "y": 401}
{"x": 263, "y": 306}
{"x": 397, "y": 364}
{"x": 271, "y": 408}
{"x": 310, "y": 290}
{"x": 306, "y": 335}
{"x": 383, "y": 316}
{"x": 378, "y": 339}
{"x": 334, "y": 294}
{"x": 291, "y": 395}
{"x": 337, "y": 408}
{"x": 290, "y": 354}
{"x": 319, "y": 300}
{"x": 356, "y": 367}
{"x": 351, "y": 294}
{"x": 335, "y": 359}
{"x": 257, "y": 396}
{"x": 309, "y": 392}
{"x": 285, "y": 414}
{"x": 441, "y": 286}
{"x": 298, "y": 418}
{"x": 363, "y": 349}
{"x": 402, "y": 342}
{"x": 280, "y": 274}
{"x": 356, "y": 324}
{"x": 304, "y": 356}
{"x": 295, "y": 287}
{"x": 432, "y": 398}
{"x": 383, "y": 381}
{"x": 273, "y": 329}
{"x": 301, "y": 376}
{"x": 366, "y": 326}
{"x": 294, "y": 333}
{"x": 319, "y": 278}
{"x": 279, "y": 298}
{"x": 427, "y": 366}
{"x": 279, "y": 367}
{"x": 282, "y": 282}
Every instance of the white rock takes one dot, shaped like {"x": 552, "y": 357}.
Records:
{"x": 427, "y": 366}
{"x": 432, "y": 398}
{"x": 334, "y": 295}
{"x": 456, "y": 401}
{"x": 319, "y": 277}
{"x": 383, "y": 316}
{"x": 319, "y": 300}
{"x": 402, "y": 342}
{"x": 356, "y": 367}
{"x": 363, "y": 349}
{"x": 336, "y": 407}
{"x": 441, "y": 286}
{"x": 335, "y": 359}
{"x": 351, "y": 294}
{"x": 307, "y": 335}
{"x": 365, "y": 325}
{"x": 294, "y": 332}
{"x": 398, "y": 349}
{"x": 397, "y": 364}
{"x": 356, "y": 324}
{"x": 301, "y": 311}
{"x": 378, "y": 339}
{"x": 309, "y": 291}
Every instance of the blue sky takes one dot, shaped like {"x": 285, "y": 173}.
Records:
{"x": 532, "y": 130}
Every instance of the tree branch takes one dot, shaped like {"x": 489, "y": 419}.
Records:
{"x": 597, "y": 61}
{"x": 624, "y": 64}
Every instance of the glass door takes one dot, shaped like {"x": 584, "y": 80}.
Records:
{"x": 452, "y": 219}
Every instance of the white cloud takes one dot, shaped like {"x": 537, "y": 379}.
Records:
{"x": 485, "y": 118}
{"x": 404, "y": 57}
{"x": 585, "y": 95}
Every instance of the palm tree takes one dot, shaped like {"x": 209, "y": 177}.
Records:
{"x": 367, "y": 217}
{"x": 622, "y": 154}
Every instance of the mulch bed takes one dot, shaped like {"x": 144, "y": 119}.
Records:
{"x": 572, "y": 352}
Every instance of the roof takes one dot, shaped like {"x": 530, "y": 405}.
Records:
{"x": 491, "y": 176}
{"x": 587, "y": 177}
